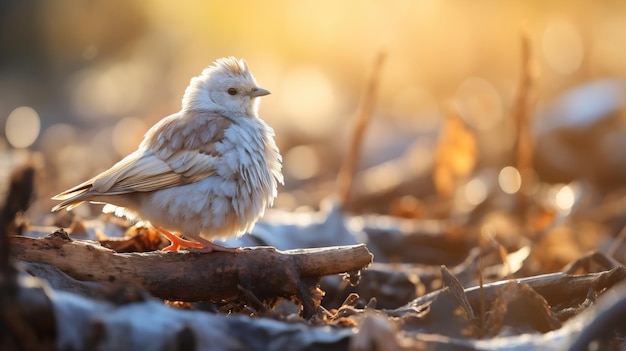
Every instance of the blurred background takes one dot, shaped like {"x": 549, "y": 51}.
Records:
{"x": 82, "y": 80}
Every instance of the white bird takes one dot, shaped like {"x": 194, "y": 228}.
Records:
{"x": 208, "y": 171}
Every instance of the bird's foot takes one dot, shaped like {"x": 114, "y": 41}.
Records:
{"x": 204, "y": 246}
{"x": 176, "y": 242}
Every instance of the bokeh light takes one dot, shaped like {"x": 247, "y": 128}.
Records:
{"x": 562, "y": 47}
{"x": 475, "y": 191}
{"x": 96, "y": 95}
{"x": 302, "y": 162}
{"x": 109, "y": 91}
{"x": 57, "y": 136}
{"x": 510, "y": 180}
{"x": 565, "y": 199}
{"x": 22, "y": 127}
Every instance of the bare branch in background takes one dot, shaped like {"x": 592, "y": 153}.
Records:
{"x": 362, "y": 117}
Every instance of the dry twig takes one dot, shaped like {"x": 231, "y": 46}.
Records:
{"x": 554, "y": 287}
{"x": 522, "y": 116}
{"x": 363, "y": 116}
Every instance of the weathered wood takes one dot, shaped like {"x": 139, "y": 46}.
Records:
{"x": 554, "y": 287}
{"x": 188, "y": 276}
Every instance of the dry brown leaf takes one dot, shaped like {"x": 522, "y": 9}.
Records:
{"x": 518, "y": 308}
{"x": 136, "y": 239}
{"x": 542, "y": 218}
{"x": 456, "y": 155}
{"x": 566, "y": 243}
{"x": 407, "y": 206}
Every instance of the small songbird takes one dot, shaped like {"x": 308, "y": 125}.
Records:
{"x": 208, "y": 171}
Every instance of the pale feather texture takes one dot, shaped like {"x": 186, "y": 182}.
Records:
{"x": 209, "y": 170}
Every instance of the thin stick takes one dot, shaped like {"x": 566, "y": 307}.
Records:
{"x": 363, "y": 116}
{"x": 522, "y": 116}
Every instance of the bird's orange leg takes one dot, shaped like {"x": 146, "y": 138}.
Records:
{"x": 176, "y": 243}
{"x": 202, "y": 245}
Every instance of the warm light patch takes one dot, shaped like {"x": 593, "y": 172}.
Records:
{"x": 127, "y": 135}
{"x": 22, "y": 127}
{"x": 510, "y": 180}
{"x": 562, "y": 47}
{"x": 109, "y": 91}
{"x": 302, "y": 162}
{"x": 455, "y": 155}
{"x": 565, "y": 199}
{"x": 475, "y": 191}
{"x": 418, "y": 107}
{"x": 307, "y": 96}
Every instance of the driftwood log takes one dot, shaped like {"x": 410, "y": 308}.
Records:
{"x": 263, "y": 273}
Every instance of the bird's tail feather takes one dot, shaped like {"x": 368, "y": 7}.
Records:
{"x": 69, "y": 204}
{"x": 73, "y": 197}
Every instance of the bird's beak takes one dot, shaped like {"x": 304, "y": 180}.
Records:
{"x": 259, "y": 92}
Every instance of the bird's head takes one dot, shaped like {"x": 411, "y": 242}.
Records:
{"x": 226, "y": 85}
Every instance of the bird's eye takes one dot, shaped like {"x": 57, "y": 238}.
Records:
{"x": 232, "y": 91}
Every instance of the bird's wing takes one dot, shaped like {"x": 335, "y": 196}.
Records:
{"x": 178, "y": 150}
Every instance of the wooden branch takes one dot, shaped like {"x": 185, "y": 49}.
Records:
{"x": 554, "y": 287}
{"x": 187, "y": 276}
{"x": 343, "y": 185}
